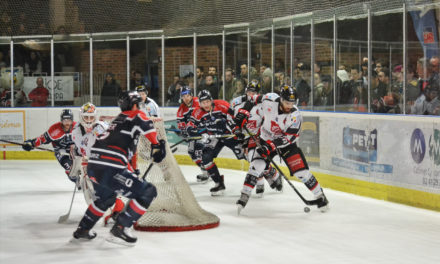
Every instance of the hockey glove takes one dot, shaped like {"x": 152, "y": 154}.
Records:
{"x": 28, "y": 145}
{"x": 241, "y": 118}
{"x": 238, "y": 134}
{"x": 192, "y": 132}
{"x": 158, "y": 151}
{"x": 265, "y": 149}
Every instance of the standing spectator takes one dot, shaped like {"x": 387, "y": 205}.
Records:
{"x": 324, "y": 92}
{"x": 239, "y": 88}
{"x": 229, "y": 85}
{"x": 174, "y": 91}
{"x": 211, "y": 87}
{"x": 39, "y": 94}
{"x": 200, "y": 76}
{"x": 110, "y": 91}
{"x": 212, "y": 70}
{"x": 33, "y": 64}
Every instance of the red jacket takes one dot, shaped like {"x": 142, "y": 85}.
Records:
{"x": 39, "y": 96}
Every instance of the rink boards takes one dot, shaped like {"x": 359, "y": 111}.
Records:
{"x": 388, "y": 157}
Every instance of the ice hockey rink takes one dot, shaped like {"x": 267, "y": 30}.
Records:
{"x": 272, "y": 229}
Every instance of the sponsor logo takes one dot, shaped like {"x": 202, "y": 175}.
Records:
{"x": 434, "y": 147}
{"x": 418, "y": 145}
{"x": 359, "y": 145}
{"x": 359, "y": 150}
{"x": 275, "y": 128}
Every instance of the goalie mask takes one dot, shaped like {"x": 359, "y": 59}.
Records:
{"x": 87, "y": 115}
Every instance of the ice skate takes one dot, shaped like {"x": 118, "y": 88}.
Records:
{"x": 241, "y": 203}
{"x": 83, "y": 234}
{"x": 277, "y": 184}
{"x": 259, "y": 190}
{"x": 202, "y": 178}
{"x": 219, "y": 188}
{"x": 322, "y": 203}
{"x": 121, "y": 235}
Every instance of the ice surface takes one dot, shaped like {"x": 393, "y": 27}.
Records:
{"x": 272, "y": 229}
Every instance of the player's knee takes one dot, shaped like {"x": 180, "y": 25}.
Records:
{"x": 104, "y": 204}
{"x": 149, "y": 194}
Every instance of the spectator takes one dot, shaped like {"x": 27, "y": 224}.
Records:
{"x": 266, "y": 85}
{"x": 22, "y": 31}
{"x": 239, "y": 88}
{"x": 229, "y": 85}
{"x": 397, "y": 79}
{"x": 280, "y": 79}
{"x": 39, "y": 94}
{"x": 174, "y": 91}
{"x": 345, "y": 85}
{"x": 324, "y": 93}
{"x": 110, "y": 91}
{"x": 200, "y": 76}
{"x": 428, "y": 103}
{"x": 210, "y": 86}
{"x": 379, "y": 85}
{"x": 279, "y": 65}
{"x": 33, "y": 64}
{"x": 412, "y": 91}
{"x": 19, "y": 98}
{"x": 137, "y": 80}
{"x": 244, "y": 72}
{"x": 302, "y": 87}
{"x": 435, "y": 61}
{"x": 389, "y": 104}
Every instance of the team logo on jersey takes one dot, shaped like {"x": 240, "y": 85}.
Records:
{"x": 275, "y": 128}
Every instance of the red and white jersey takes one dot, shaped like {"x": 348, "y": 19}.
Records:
{"x": 215, "y": 121}
{"x": 276, "y": 124}
{"x": 184, "y": 113}
{"x": 255, "y": 118}
{"x": 57, "y": 136}
{"x": 83, "y": 140}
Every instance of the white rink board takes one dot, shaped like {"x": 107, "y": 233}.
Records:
{"x": 394, "y": 163}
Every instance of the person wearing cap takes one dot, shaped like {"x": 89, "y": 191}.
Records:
{"x": 147, "y": 104}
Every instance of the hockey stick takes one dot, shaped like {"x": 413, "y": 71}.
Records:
{"x": 64, "y": 218}
{"x": 307, "y": 202}
{"x": 22, "y": 144}
{"x": 148, "y": 170}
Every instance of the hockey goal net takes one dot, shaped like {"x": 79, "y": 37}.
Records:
{"x": 175, "y": 207}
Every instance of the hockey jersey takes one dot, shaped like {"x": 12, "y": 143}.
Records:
{"x": 215, "y": 121}
{"x": 184, "y": 113}
{"x": 116, "y": 147}
{"x": 255, "y": 118}
{"x": 150, "y": 108}
{"x": 57, "y": 136}
{"x": 281, "y": 128}
{"x": 83, "y": 140}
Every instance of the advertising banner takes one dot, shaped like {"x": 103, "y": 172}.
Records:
{"x": 12, "y": 126}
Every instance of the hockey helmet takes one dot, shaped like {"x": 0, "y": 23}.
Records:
{"x": 87, "y": 114}
{"x": 66, "y": 114}
{"x": 141, "y": 88}
{"x": 204, "y": 95}
{"x": 288, "y": 93}
{"x": 253, "y": 86}
{"x": 185, "y": 90}
{"x": 128, "y": 99}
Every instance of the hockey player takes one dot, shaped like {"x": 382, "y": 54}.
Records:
{"x": 147, "y": 104}
{"x": 60, "y": 135}
{"x": 279, "y": 133}
{"x": 253, "y": 124}
{"x": 195, "y": 147}
{"x": 84, "y": 136}
{"x": 212, "y": 116}
{"x": 110, "y": 172}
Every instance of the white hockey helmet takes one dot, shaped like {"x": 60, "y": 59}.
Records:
{"x": 87, "y": 115}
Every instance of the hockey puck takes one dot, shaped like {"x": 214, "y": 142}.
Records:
{"x": 306, "y": 209}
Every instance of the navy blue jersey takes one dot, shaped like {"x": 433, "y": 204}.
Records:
{"x": 59, "y": 138}
{"x": 215, "y": 121}
{"x": 116, "y": 147}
